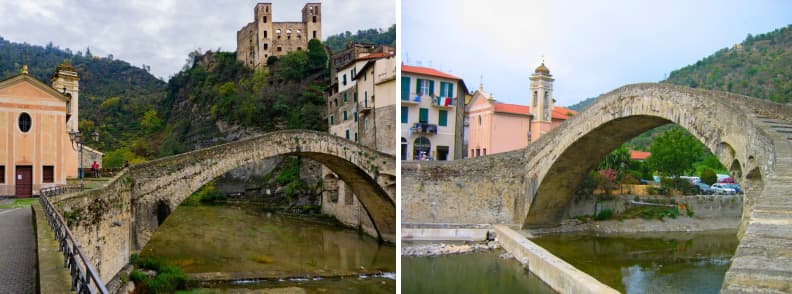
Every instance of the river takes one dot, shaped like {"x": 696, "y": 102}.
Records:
{"x": 259, "y": 249}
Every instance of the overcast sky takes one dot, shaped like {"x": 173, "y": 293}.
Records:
{"x": 161, "y": 33}
{"x": 590, "y": 47}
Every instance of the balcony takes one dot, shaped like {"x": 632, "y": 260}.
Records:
{"x": 424, "y": 128}
{"x": 443, "y": 102}
{"x": 412, "y": 99}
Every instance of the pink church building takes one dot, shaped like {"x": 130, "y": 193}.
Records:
{"x": 496, "y": 127}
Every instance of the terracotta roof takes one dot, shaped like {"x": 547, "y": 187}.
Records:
{"x": 427, "y": 72}
{"x": 373, "y": 55}
{"x": 639, "y": 155}
{"x": 558, "y": 111}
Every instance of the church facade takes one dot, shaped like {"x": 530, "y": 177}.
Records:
{"x": 35, "y": 119}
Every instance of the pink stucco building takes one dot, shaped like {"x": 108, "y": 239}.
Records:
{"x": 496, "y": 127}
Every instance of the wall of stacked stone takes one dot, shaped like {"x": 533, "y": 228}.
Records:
{"x": 482, "y": 190}
{"x": 101, "y": 222}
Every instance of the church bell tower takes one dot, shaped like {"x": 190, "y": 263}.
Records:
{"x": 541, "y": 101}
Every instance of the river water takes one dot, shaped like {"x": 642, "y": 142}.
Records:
{"x": 468, "y": 273}
{"x": 649, "y": 263}
{"x": 276, "y": 251}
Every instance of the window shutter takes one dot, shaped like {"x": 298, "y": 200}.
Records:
{"x": 423, "y": 115}
{"x": 431, "y": 88}
{"x": 404, "y": 112}
{"x": 450, "y": 90}
{"x": 443, "y": 118}
{"x": 418, "y": 86}
{"x": 405, "y": 88}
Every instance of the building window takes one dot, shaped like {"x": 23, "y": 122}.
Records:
{"x": 299, "y": 32}
{"x": 264, "y": 19}
{"x": 365, "y": 124}
{"x": 479, "y": 120}
{"x": 24, "y": 122}
{"x": 266, "y": 46}
{"x": 535, "y": 101}
{"x": 332, "y": 119}
{"x": 403, "y": 148}
{"x": 345, "y": 97}
{"x": 355, "y": 97}
{"x": 2, "y": 174}
{"x": 347, "y": 134}
{"x": 314, "y": 18}
{"x": 280, "y": 49}
{"x": 478, "y": 152}
{"x": 288, "y": 31}
{"x": 345, "y": 118}
{"x": 299, "y": 48}
{"x": 424, "y": 87}
{"x": 344, "y": 80}
{"x": 354, "y": 114}
{"x": 278, "y": 31}
{"x": 265, "y": 34}
{"x": 405, "y": 89}
{"x": 314, "y": 34}
{"x": 443, "y": 118}
{"x": 421, "y": 148}
{"x": 48, "y": 174}
{"x": 356, "y": 137}
{"x": 404, "y": 112}
{"x": 446, "y": 89}
{"x": 485, "y": 151}
{"x": 423, "y": 115}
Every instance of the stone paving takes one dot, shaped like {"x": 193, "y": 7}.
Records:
{"x": 17, "y": 251}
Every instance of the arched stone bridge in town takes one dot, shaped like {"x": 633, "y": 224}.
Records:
{"x": 112, "y": 222}
{"x": 533, "y": 186}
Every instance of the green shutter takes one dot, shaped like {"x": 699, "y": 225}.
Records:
{"x": 418, "y": 86}
{"x": 450, "y": 90}
{"x": 443, "y": 119}
{"x": 423, "y": 115}
{"x": 405, "y": 88}
{"x": 442, "y": 89}
{"x": 355, "y": 96}
{"x": 431, "y": 88}
{"x": 404, "y": 113}
{"x": 345, "y": 96}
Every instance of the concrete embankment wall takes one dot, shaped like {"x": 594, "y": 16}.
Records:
{"x": 484, "y": 190}
{"x": 555, "y": 272}
{"x": 703, "y": 206}
{"x": 445, "y": 232}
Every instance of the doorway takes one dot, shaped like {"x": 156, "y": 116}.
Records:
{"x": 24, "y": 181}
{"x": 442, "y": 152}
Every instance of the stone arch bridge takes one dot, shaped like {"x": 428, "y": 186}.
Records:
{"x": 533, "y": 186}
{"x": 118, "y": 219}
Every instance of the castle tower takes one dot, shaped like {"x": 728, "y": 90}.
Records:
{"x": 263, "y": 15}
{"x": 312, "y": 17}
{"x": 541, "y": 101}
{"x": 66, "y": 79}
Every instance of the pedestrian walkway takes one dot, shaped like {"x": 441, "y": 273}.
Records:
{"x": 17, "y": 251}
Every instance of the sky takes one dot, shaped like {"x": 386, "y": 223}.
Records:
{"x": 590, "y": 47}
{"x": 161, "y": 33}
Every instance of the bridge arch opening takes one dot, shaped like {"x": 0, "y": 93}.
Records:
{"x": 570, "y": 167}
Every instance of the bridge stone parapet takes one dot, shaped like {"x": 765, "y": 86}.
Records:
{"x": 118, "y": 219}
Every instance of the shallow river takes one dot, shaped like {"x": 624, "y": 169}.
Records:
{"x": 649, "y": 263}
{"x": 246, "y": 243}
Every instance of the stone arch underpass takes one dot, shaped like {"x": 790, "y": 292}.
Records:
{"x": 112, "y": 222}
{"x": 533, "y": 186}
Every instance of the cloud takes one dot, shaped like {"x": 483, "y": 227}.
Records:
{"x": 161, "y": 33}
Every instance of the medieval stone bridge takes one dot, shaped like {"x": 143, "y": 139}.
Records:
{"x": 532, "y": 187}
{"x": 112, "y": 222}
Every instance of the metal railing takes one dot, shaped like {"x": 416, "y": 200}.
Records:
{"x": 85, "y": 279}
{"x": 60, "y": 189}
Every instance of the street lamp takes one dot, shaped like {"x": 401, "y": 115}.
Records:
{"x": 77, "y": 145}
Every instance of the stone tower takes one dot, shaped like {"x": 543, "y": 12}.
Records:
{"x": 66, "y": 79}
{"x": 541, "y": 101}
{"x": 262, "y": 38}
{"x": 312, "y": 17}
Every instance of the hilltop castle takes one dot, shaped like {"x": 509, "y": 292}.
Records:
{"x": 263, "y": 38}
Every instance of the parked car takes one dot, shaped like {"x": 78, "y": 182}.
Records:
{"x": 704, "y": 189}
{"x": 722, "y": 189}
{"x": 736, "y": 188}
{"x": 646, "y": 182}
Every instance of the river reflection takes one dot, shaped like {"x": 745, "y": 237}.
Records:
{"x": 241, "y": 241}
{"x": 649, "y": 263}
{"x": 468, "y": 273}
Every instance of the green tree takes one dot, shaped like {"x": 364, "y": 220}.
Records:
{"x": 674, "y": 153}
{"x": 617, "y": 160}
{"x": 293, "y": 66}
{"x": 708, "y": 176}
{"x": 151, "y": 121}
{"x": 317, "y": 56}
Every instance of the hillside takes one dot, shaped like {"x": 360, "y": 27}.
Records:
{"x": 373, "y": 36}
{"x": 760, "y": 66}
{"x": 114, "y": 95}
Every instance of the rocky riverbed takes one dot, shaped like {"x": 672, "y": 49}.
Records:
{"x": 435, "y": 249}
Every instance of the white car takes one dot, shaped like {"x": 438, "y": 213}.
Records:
{"x": 722, "y": 189}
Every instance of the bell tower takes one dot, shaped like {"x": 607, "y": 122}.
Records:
{"x": 312, "y": 18}
{"x": 263, "y": 15}
{"x": 541, "y": 101}
{"x": 67, "y": 81}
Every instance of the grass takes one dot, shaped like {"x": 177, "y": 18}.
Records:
{"x": 20, "y": 203}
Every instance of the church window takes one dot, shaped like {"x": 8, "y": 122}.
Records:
{"x": 24, "y": 122}
{"x": 264, "y": 19}
{"x": 535, "y": 101}
{"x": 48, "y": 174}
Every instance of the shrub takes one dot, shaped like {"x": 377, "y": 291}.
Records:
{"x": 708, "y": 176}
{"x": 137, "y": 276}
{"x": 604, "y": 214}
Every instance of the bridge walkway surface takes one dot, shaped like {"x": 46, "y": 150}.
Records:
{"x": 17, "y": 251}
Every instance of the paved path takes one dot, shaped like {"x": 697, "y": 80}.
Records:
{"x": 17, "y": 251}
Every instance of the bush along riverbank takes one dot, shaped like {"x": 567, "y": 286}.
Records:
{"x": 152, "y": 275}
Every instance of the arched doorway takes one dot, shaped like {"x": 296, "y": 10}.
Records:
{"x": 421, "y": 148}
